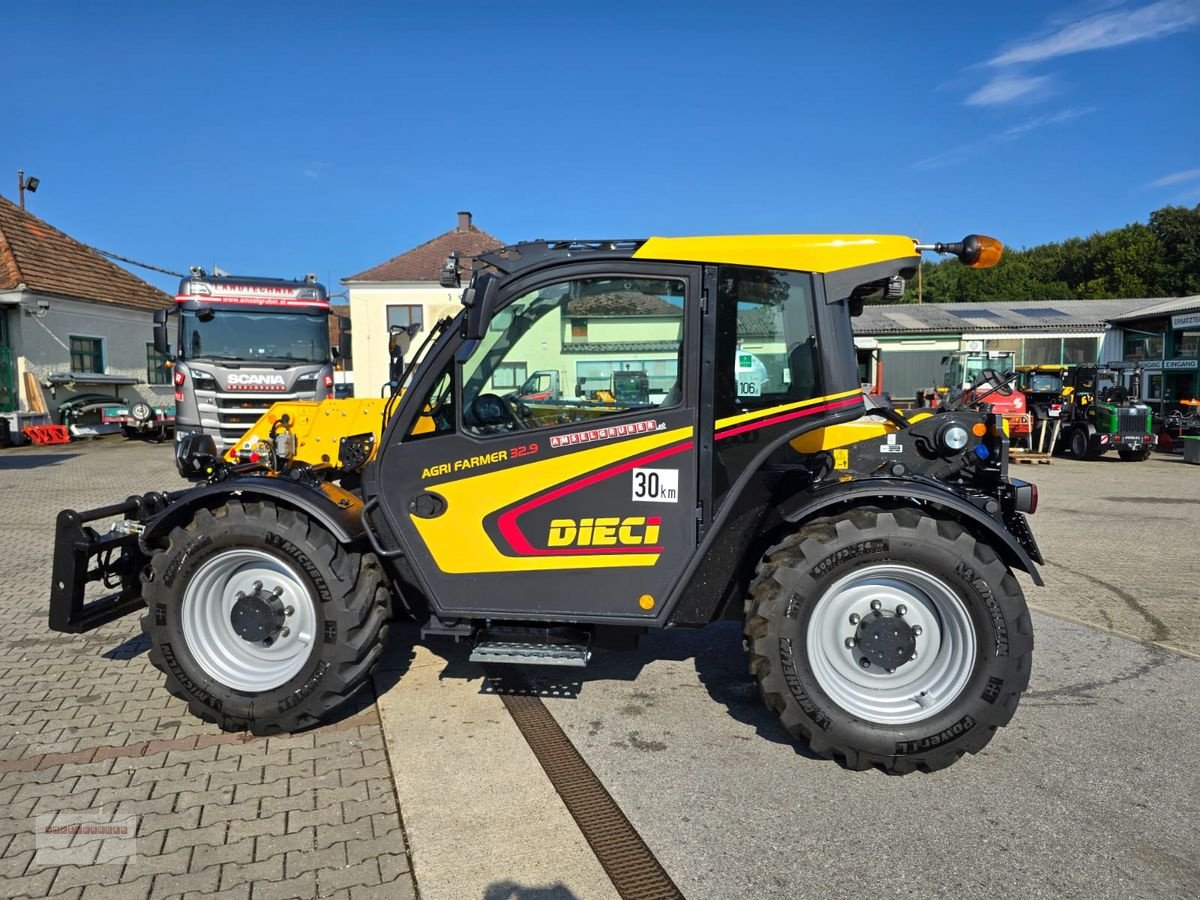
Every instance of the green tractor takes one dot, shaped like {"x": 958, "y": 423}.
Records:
{"x": 1100, "y": 414}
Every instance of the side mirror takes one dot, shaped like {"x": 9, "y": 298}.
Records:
{"x": 160, "y": 317}
{"x": 162, "y": 341}
{"x": 335, "y": 353}
{"x": 480, "y": 310}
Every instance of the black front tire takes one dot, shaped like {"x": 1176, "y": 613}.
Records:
{"x": 349, "y": 609}
{"x": 794, "y": 581}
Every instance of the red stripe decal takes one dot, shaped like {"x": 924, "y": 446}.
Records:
{"x": 763, "y": 423}
{"x": 519, "y": 543}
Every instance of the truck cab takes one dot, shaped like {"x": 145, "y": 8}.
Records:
{"x": 241, "y": 344}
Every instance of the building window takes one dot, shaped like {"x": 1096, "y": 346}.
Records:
{"x": 404, "y": 316}
{"x": 87, "y": 355}
{"x": 579, "y": 329}
{"x": 1187, "y": 343}
{"x": 1139, "y": 346}
{"x": 156, "y": 367}
{"x": 509, "y": 375}
{"x": 1079, "y": 351}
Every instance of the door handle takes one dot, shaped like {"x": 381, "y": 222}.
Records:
{"x": 427, "y": 505}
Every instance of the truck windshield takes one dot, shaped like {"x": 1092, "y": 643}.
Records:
{"x": 256, "y": 336}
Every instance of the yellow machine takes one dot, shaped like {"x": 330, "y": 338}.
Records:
{"x": 736, "y": 471}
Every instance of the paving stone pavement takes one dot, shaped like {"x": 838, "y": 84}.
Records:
{"x": 87, "y": 728}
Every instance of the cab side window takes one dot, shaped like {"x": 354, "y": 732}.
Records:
{"x": 767, "y": 353}
{"x": 575, "y": 351}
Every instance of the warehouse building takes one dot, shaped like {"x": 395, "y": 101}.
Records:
{"x": 912, "y": 340}
{"x": 1164, "y": 338}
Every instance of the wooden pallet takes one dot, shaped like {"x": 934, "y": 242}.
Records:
{"x": 1024, "y": 456}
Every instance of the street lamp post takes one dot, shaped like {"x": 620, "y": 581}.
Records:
{"x": 26, "y": 184}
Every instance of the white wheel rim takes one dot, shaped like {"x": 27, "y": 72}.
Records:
{"x": 918, "y": 688}
{"x": 223, "y": 654}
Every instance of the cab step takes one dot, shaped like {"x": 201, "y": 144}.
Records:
{"x": 526, "y": 653}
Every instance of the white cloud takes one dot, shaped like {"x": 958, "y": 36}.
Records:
{"x": 963, "y": 151}
{"x": 1108, "y": 29}
{"x": 1007, "y": 88}
{"x": 311, "y": 173}
{"x": 1176, "y": 178}
{"x": 1028, "y": 125}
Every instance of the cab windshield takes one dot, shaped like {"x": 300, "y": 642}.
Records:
{"x": 267, "y": 337}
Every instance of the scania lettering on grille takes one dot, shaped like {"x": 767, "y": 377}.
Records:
{"x": 241, "y": 381}
{"x": 604, "y": 531}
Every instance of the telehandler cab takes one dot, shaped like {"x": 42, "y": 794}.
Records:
{"x": 869, "y": 554}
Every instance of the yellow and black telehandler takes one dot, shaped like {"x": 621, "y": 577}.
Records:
{"x": 868, "y": 554}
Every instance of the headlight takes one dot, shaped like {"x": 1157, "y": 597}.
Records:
{"x": 203, "y": 381}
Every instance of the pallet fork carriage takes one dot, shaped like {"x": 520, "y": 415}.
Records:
{"x": 868, "y": 553}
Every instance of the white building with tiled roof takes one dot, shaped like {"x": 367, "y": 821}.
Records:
{"x": 404, "y": 290}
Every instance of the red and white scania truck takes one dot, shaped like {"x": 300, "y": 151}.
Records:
{"x": 242, "y": 344}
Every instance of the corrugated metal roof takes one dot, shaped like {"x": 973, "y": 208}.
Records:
{"x": 1163, "y": 307}
{"x": 1023, "y": 315}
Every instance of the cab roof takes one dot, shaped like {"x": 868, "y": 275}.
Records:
{"x": 800, "y": 252}
{"x": 821, "y": 253}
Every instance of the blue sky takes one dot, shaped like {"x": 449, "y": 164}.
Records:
{"x": 282, "y": 138}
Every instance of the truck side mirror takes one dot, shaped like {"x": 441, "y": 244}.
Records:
{"x": 162, "y": 342}
{"x": 335, "y": 353}
{"x": 160, "y": 317}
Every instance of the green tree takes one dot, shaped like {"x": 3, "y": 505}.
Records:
{"x": 1159, "y": 259}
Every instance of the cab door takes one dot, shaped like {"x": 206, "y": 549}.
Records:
{"x": 575, "y": 503}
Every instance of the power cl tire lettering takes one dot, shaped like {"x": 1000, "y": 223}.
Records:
{"x": 241, "y": 606}
{"x": 888, "y": 639}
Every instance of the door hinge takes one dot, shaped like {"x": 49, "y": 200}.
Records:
{"x": 704, "y": 302}
{"x": 699, "y": 521}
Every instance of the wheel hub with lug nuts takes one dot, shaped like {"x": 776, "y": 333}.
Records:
{"x": 885, "y": 640}
{"x": 259, "y": 616}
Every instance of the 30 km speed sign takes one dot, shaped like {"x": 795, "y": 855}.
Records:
{"x": 656, "y": 485}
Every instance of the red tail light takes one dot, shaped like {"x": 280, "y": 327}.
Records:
{"x": 328, "y": 380}
{"x": 1026, "y": 496}
{"x": 180, "y": 377}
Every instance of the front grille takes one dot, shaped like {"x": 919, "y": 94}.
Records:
{"x": 1131, "y": 421}
{"x": 236, "y": 412}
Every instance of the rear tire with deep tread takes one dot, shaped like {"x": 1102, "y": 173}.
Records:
{"x": 794, "y": 579}
{"x": 351, "y": 603}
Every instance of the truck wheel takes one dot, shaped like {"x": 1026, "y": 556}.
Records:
{"x": 1079, "y": 443}
{"x": 1135, "y": 455}
{"x": 260, "y": 619}
{"x": 891, "y": 639}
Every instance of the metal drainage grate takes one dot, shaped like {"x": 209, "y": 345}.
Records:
{"x": 633, "y": 869}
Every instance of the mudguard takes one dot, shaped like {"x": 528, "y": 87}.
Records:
{"x": 806, "y": 506}
{"x": 337, "y": 510}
